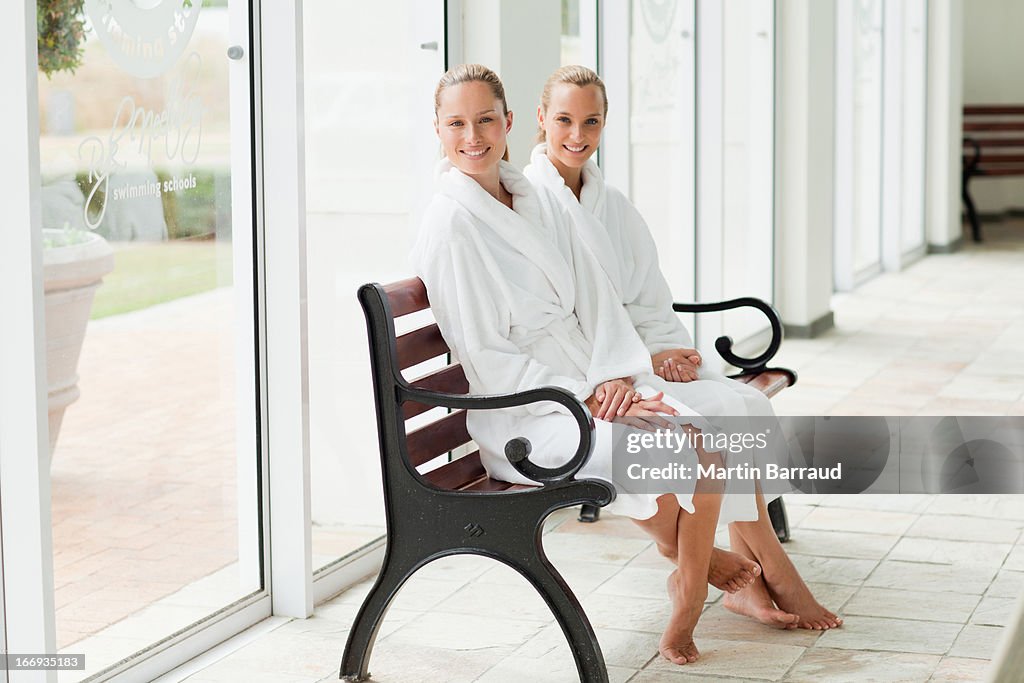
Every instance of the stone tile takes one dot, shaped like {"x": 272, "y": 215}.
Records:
{"x": 607, "y": 525}
{"x": 735, "y": 658}
{"x": 546, "y": 671}
{"x": 977, "y": 642}
{"x": 281, "y": 653}
{"x": 963, "y": 553}
{"x": 1015, "y": 560}
{"x": 851, "y": 666}
{"x": 883, "y": 502}
{"x": 1007, "y": 584}
{"x": 994, "y": 611}
{"x": 624, "y": 649}
{"x": 637, "y": 582}
{"x": 840, "y": 544}
{"x": 681, "y": 675}
{"x": 459, "y": 568}
{"x": 932, "y": 578}
{"x": 518, "y": 601}
{"x": 893, "y": 635}
{"x": 960, "y": 670}
{"x": 467, "y": 632}
{"x": 627, "y": 613}
{"x": 960, "y": 528}
{"x": 865, "y": 521}
{"x": 398, "y": 662}
{"x": 906, "y": 604}
{"x": 990, "y": 506}
{"x": 561, "y": 547}
{"x": 833, "y": 569}
{"x": 420, "y": 593}
{"x": 582, "y": 576}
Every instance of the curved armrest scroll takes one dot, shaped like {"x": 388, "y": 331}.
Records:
{"x": 517, "y": 450}
{"x": 724, "y": 343}
{"x": 971, "y": 165}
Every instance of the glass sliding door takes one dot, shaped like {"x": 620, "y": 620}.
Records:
{"x": 150, "y": 322}
{"x": 370, "y": 71}
{"x": 748, "y": 103}
{"x": 662, "y": 121}
{"x": 858, "y": 170}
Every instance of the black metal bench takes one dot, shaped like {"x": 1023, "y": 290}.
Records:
{"x": 434, "y": 511}
{"x": 993, "y": 148}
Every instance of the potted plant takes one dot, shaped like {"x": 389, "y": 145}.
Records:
{"x": 74, "y": 264}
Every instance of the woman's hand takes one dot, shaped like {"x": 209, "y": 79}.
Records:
{"x": 613, "y": 398}
{"x": 649, "y": 414}
{"x": 677, "y": 365}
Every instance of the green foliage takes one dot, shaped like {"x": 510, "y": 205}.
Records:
{"x": 61, "y": 31}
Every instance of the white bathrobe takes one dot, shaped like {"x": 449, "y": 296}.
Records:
{"x": 621, "y": 241}
{"x": 522, "y": 303}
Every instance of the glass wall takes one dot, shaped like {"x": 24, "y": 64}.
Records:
{"x": 150, "y": 350}
{"x": 370, "y": 151}
{"x": 662, "y": 132}
{"x": 748, "y": 104}
{"x": 858, "y": 216}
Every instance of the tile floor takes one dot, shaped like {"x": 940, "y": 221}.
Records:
{"x": 926, "y": 583}
{"x": 910, "y": 615}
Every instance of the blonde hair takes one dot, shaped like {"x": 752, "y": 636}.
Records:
{"x": 574, "y": 74}
{"x": 469, "y": 73}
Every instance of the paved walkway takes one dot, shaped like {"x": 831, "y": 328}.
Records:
{"x": 925, "y": 583}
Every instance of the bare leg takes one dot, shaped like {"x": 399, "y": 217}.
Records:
{"x": 781, "y": 578}
{"x": 755, "y": 601}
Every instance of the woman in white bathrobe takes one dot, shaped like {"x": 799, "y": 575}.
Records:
{"x": 571, "y": 117}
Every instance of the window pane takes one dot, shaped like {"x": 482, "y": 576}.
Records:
{"x": 153, "y": 442}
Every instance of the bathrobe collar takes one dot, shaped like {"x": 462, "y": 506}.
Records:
{"x": 589, "y": 213}
{"x": 527, "y": 227}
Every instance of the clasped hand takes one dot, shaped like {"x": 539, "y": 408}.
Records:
{"x": 617, "y": 400}
{"x": 677, "y": 365}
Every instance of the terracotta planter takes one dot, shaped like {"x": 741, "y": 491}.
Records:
{"x": 71, "y": 275}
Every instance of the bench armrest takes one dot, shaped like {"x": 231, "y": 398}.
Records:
{"x": 517, "y": 450}
{"x": 724, "y": 344}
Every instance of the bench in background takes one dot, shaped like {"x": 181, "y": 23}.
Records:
{"x": 993, "y": 147}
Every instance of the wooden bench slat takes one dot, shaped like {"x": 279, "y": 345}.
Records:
{"x": 999, "y": 170}
{"x": 436, "y": 438}
{"x": 406, "y": 296}
{"x": 1011, "y": 126}
{"x": 487, "y": 485}
{"x": 992, "y": 109}
{"x": 458, "y": 473}
{"x": 1000, "y": 158}
{"x": 994, "y": 142}
{"x": 420, "y": 345}
{"x": 769, "y": 383}
{"x": 450, "y": 380}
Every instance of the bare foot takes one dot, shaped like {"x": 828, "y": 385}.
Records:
{"x": 677, "y": 644}
{"x": 792, "y": 595}
{"x": 728, "y": 571}
{"x": 754, "y": 602}
{"x": 731, "y": 572}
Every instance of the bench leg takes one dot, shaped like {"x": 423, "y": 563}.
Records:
{"x": 356, "y": 660}
{"x": 780, "y": 521}
{"x": 589, "y": 513}
{"x": 570, "y": 616}
{"x": 972, "y": 213}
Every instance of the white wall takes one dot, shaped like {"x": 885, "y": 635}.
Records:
{"x": 993, "y": 63}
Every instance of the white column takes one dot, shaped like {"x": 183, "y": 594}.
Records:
{"x": 945, "y": 122}
{"x": 286, "y": 352}
{"x": 520, "y": 40}
{"x": 614, "y": 67}
{"x": 24, "y": 446}
{"x": 805, "y": 126}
